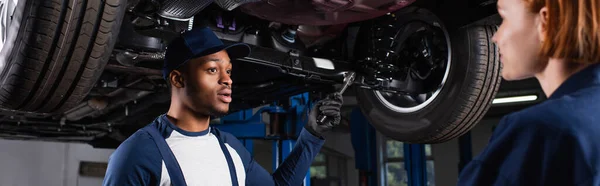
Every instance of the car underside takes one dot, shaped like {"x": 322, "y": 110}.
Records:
{"x": 90, "y": 71}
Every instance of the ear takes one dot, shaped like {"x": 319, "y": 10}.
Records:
{"x": 542, "y": 26}
{"x": 176, "y": 79}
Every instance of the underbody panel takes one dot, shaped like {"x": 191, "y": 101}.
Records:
{"x": 269, "y": 75}
{"x": 322, "y": 12}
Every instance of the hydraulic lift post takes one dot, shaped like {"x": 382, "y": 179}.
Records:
{"x": 415, "y": 162}
{"x": 284, "y": 127}
{"x": 364, "y": 141}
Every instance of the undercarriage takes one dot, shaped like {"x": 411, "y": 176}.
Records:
{"x": 402, "y": 53}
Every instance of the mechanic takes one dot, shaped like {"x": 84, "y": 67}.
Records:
{"x": 556, "y": 142}
{"x": 198, "y": 68}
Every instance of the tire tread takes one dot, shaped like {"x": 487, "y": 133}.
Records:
{"x": 473, "y": 112}
{"x": 63, "y": 52}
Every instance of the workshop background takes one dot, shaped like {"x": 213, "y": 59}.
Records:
{"x": 129, "y": 90}
{"x": 29, "y": 163}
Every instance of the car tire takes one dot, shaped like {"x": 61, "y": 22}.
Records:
{"x": 471, "y": 85}
{"x": 55, "y": 52}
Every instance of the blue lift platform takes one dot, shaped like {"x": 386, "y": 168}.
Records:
{"x": 286, "y": 122}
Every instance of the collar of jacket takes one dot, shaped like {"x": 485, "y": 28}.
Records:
{"x": 165, "y": 127}
{"x": 588, "y": 77}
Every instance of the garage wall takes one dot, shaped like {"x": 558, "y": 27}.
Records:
{"x": 336, "y": 141}
{"x": 263, "y": 154}
{"x": 31, "y": 163}
{"x": 81, "y": 152}
{"x": 447, "y": 156}
{"x": 341, "y": 143}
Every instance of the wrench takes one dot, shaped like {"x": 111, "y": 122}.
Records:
{"x": 348, "y": 80}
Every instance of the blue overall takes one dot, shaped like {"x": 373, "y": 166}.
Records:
{"x": 138, "y": 160}
{"x": 171, "y": 162}
{"x": 556, "y": 142}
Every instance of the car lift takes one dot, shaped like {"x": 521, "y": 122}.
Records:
{"x": 286, "y": 123}
{"x": 284, "y": 127}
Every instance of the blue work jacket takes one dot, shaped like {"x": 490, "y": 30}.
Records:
{"x": 556, "y": 142}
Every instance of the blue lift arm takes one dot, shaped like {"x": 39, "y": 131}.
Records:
{"x": 284, "y": 127}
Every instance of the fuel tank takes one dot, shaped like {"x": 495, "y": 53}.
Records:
{"x": 321, "y": 12}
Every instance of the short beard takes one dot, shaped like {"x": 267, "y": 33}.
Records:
{"x": 217, "y": 113}
{"x": 211, "y": 112}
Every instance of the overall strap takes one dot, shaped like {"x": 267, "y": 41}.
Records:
{"x": 173, "y": 168}
{"x": 232, "y": 171}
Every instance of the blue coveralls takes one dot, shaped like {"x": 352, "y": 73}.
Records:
{"x": 556, "y": 142}
{"x": 137, "y": 161}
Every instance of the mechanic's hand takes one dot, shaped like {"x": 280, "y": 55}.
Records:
{"x": 330, "y": 107}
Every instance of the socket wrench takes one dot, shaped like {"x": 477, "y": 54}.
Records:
{"x": 348, "y": 80}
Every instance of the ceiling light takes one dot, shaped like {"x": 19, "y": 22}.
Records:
{"x": 515, "y": 99}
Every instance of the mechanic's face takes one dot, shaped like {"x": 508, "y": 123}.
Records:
{"x": 208, "y": 84}
{"x": 518, "y": 39}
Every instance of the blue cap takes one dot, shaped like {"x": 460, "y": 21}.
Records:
{"x": 197, "y": 43}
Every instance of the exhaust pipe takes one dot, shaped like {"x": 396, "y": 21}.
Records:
{"x": 101, "y": 105}
{"x": 85, "y": 109}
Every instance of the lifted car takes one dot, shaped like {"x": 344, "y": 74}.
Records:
{"x": 89, "y": 70}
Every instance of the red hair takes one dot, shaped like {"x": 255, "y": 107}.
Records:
{"x": 573, "y": 29}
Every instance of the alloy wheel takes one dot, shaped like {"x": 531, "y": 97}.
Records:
{"x": 430, "y": 48}
{"x": 7, "y": 10}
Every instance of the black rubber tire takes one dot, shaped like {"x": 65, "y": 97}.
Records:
{"x": 473, "y": 80}
{"x": 59, "y": 52}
